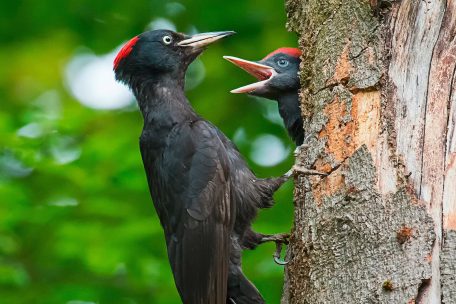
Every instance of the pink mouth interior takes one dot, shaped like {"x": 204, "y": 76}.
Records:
{"x": 258, "y": 74}
{"x": 261, "y": 72}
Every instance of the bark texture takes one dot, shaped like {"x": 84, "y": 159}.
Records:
{"x": 379, "y": 97}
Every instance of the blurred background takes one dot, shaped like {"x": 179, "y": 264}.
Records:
{"x": 77, "y": 224}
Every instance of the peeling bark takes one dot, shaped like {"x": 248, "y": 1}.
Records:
{"x": 379, "y": 97}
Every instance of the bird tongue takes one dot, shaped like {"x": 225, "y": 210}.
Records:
{"x": 260, "y": 71}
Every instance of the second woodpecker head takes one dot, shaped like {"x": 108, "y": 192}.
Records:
{"x": 277, "y": 73}
{"x": 160, "y": 54}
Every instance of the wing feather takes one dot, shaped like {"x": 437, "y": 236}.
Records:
{"x": 199, "y": 247}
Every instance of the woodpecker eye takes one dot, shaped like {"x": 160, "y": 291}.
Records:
{"x": 282, "y": 63}
{"x": 167, "y": 39}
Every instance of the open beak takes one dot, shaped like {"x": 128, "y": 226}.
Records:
{"x": 260, "y": 71}
{"x": 204, "y": 39}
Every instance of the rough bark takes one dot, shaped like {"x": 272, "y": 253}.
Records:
{"x": 379, "y": 97}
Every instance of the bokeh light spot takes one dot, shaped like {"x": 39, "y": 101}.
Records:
{"x": 268, "y": 150}
{"x": 91, "y": 81}
{"x": 64, "y": 150}
{"x": 161, "y": 24}
{"x": 32, "y": 130}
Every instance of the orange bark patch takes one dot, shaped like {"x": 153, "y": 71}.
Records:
{"x": 340, "y": 143}
{"x": 347, "y": 128}
{"x": 344, "y": 138}
{"x": 450, "y": 221}
{"x": 328, "y": 186}
{"x": 404, "y": 234}
{"x": 366, "y": 115}
{"x": 449, "y": 195}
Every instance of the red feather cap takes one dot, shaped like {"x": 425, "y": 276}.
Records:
{"x": 293, "y": 52}
{"x": 126, "y": 49}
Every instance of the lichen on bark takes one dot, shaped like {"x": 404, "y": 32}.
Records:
{"x": 346, "y": 246}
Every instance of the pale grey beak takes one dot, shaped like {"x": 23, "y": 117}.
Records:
{"x": 203, "y": 39}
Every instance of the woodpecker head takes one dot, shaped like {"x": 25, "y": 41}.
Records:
{"x": 161, "y": 53}
{"x": 277, "y": 73}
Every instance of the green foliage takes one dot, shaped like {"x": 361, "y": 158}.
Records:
{"x": 77, "y": 224}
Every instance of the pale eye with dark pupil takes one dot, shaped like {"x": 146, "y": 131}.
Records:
{"x": 167, "y": 39}
{"x": 282, "y": 63}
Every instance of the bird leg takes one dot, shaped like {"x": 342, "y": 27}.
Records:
{"x": 298, "y": 169}
{"x": 279, "y": 239}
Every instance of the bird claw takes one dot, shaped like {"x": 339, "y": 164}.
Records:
{"x": 297, "y": 169}
{"x": 279, "y": 239}
{"x": 277, "y": 254}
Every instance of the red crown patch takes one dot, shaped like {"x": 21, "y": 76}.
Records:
{"x": 294, "y": 52}
{"x": 125, "y": 51}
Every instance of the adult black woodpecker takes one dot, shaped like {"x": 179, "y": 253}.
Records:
{"x": 205, "y": 195}
{"x": 278, "y": 80}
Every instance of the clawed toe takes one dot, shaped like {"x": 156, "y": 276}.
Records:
{"x": 277, "y": 238}
{"x": 297, "y": 169}
{"x": 277, "y": 254}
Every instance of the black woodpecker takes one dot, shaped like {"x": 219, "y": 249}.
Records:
{"x": 278, "y": 80}
{"x": 205, "y": 195}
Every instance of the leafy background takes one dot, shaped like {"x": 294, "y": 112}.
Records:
{"x": 77, "y": 224}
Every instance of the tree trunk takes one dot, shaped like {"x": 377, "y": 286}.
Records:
{"x": 379, "y": 101}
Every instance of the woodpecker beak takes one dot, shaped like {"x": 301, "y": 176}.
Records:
{"x": 204, "y": 39}
{"x": 260, "y": 71}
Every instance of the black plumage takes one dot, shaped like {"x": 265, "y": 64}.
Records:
{"x": 278, "y": 75}
{"x": 203, "y": 191}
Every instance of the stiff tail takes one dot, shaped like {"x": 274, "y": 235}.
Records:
{"x": 242, "y": 291}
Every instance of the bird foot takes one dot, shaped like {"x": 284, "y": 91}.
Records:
{"x": 279, "y": 239}
{"x": 298, "y": 169}
{"x": 277, "y": 254}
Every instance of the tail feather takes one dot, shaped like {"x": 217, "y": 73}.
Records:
{"x": 243, "y": 291}
{"x": 240, "y": 289}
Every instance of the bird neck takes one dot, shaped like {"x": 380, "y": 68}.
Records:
{"x": 291, "y": 114}
{"x": 162, "y": 102}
